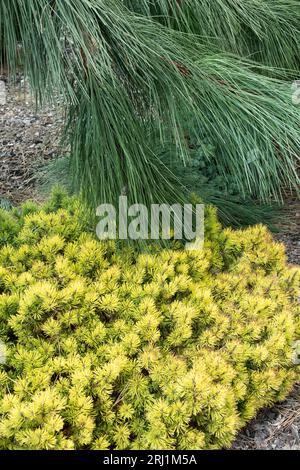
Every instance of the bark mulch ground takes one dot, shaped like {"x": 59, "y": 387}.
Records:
{"x": 28, "y": 139}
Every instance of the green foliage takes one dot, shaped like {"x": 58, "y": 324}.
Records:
{"x": 110, "y": 349}
{"x": 9, "y": 227}
{"x": 126, "y": 92}
{"x": 266, "y": 29}
{"x": 238, "y": 202}
{"x": 200, "y": 177}
{"x": 5, "y": 203}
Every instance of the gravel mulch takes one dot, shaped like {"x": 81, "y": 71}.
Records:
{"x": 29, "y": 138}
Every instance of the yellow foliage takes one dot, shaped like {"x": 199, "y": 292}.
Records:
{"x": 112, "y": 349}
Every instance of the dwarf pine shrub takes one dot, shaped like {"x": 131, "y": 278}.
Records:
{"x": 111, "y": 349}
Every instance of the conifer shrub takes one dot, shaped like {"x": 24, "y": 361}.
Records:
{"x": 112, "y": 349}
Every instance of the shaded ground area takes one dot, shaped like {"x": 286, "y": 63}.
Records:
{"x": 290, "y": 231}
{"x": 29, "y": 138}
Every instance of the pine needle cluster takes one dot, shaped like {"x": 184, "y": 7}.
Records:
{"x": 129, "y": 73}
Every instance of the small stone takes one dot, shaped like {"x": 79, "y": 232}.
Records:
{"x": 2, "y": 93}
